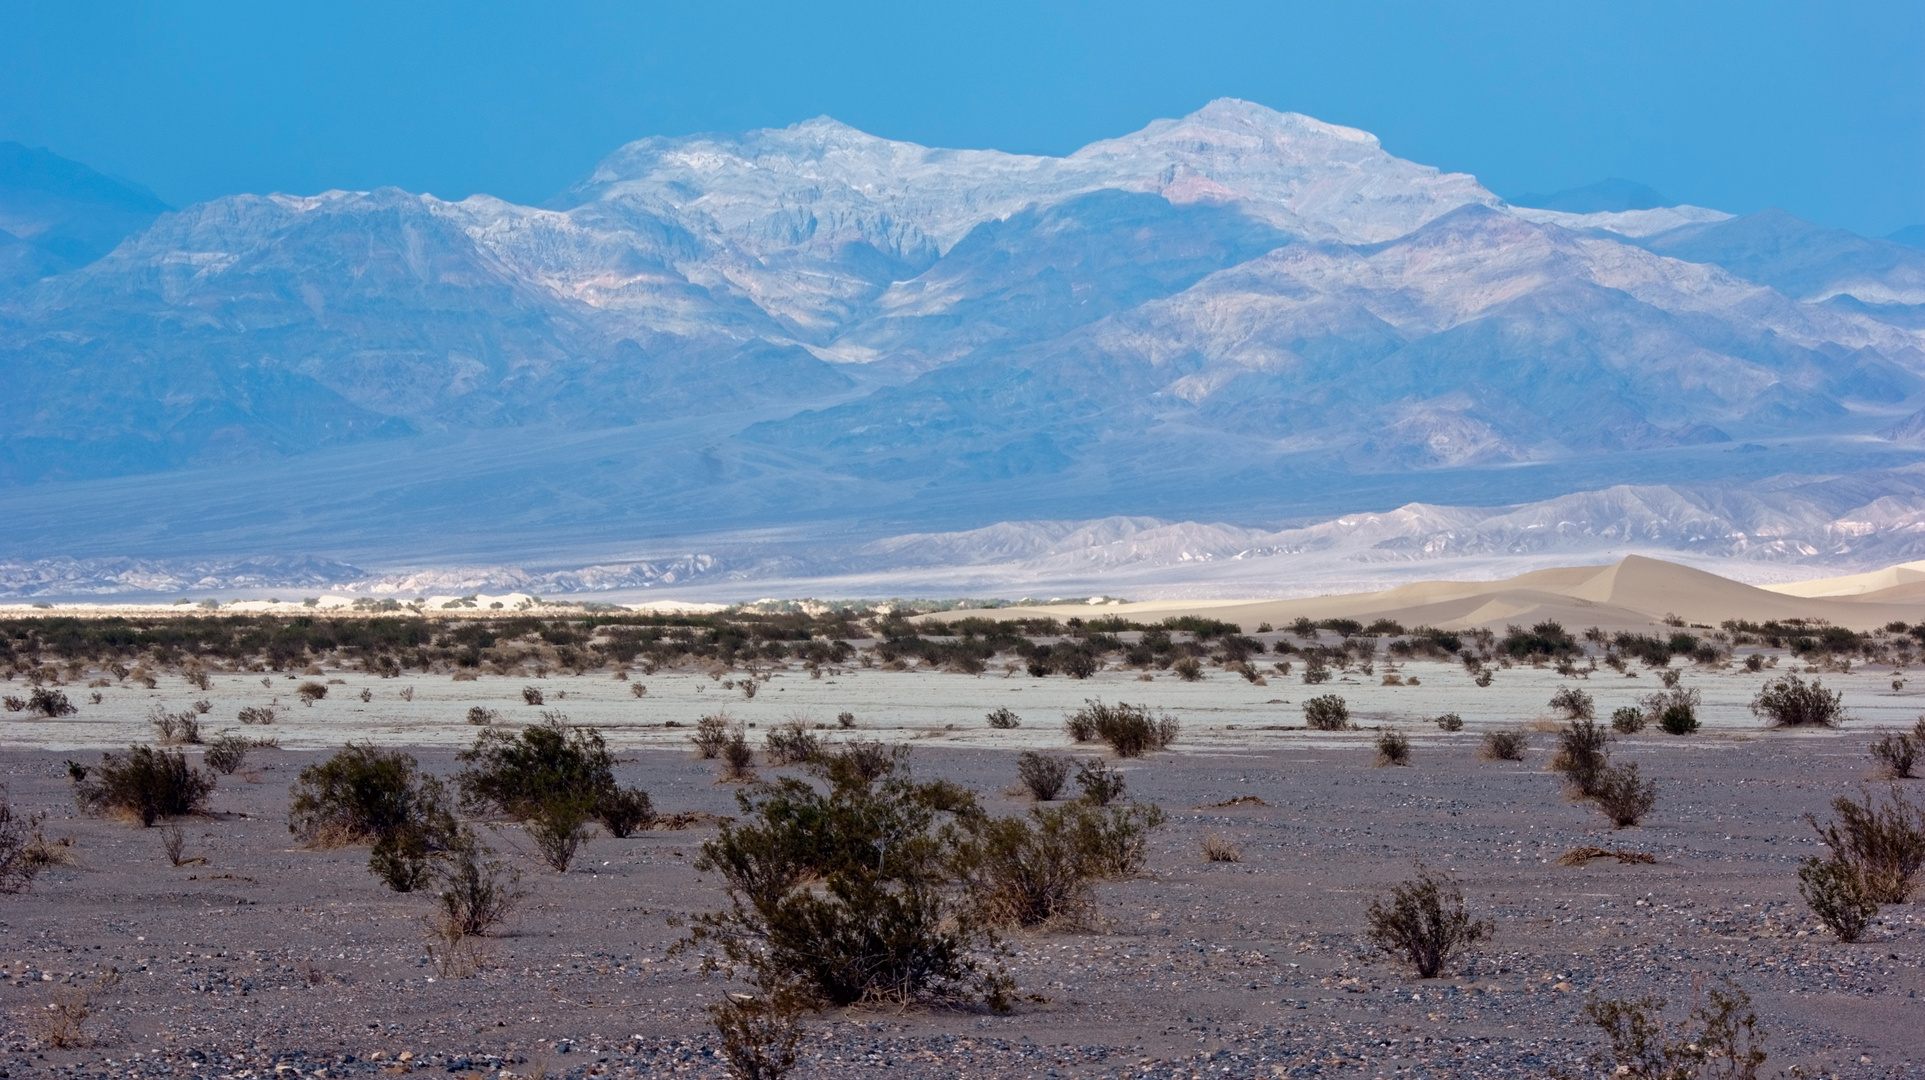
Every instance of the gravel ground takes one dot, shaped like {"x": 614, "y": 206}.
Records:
{"x": 266, "y": 960}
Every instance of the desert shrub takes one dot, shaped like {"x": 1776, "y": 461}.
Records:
{"x": 1101, "y": 784}
{"x": 1450, "y": 721}
{"x": 1789, "y": 701}
{"x": 1315, "y": 671}
{"x": 145, "y": 784}
{"x": 1328, "y": 712}
{"x": 172, "y": 728}
{"x": 473, "y": 894}
{"x": 1042, "y": 775}
{"x": 311, "y": 692}
{"x": 738, "y": 758}
{"x": 226, "y": 753}
{"x": 1484, "y": 677}
{"x": 791, "y": 744}
{"x": 758, "y": 1033}
{"x": 749, "y": 687}
{"x": 1003, "y": 719}
{"x": 481, "y": 716}
{"x": 1582, "y": 754}
{"x": 867, "y": 759}
{"x": 1718, "y": 1038}
{"x": 258, "y": 714}
{"x": 1835, "y": 892}
{"x": 710, "y": 733}
{"x": 1113, "y": 841}
{"x": 531, "y": 695}
{"x": 558, "y": 826}
{"x": 1029, "y": 871}
{"x": 624, "y": 810}
{"x": 1884, "y": 844}
{"x": 1424, "y": 922}
{"x": 49, "y": 702}
{"x": 23, "y": 850}
{"x": 1627, "y": 720}
{"x": 1393, "y": 749}
{"x": 1187, "y": 668}
{"x": 1622, "y": 796}
{"x": 1896, "y": 754}
{"x": 1575, "y": 704}
{"x": 1217, "y": 849}
{"x": 367, "y": 795}
{"x": 845, "y": 720}
{"x": 550, "y": 762}
{"x": 16, "y": 703}
{"x": 203, "y": 706}
{"x": 1674, "y": 711}
{"x": 1131, "y": 731}
{"x": 848, "y": 894}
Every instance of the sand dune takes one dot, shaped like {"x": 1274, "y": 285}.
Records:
{"x": 1856, "y": 586}
{"x": 1632, "y": 594}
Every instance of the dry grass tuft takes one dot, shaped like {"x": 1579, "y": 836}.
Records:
{"x": 1217, "y": 849}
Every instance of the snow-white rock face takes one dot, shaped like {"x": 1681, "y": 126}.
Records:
{"x": 1240, "y": 307}
{"x": 1632, "y": 223}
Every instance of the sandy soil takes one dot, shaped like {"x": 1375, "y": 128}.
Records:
{"x": 266, "y": 960}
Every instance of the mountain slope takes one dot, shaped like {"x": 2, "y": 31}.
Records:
{"x": 1804, "y": 261}
{"x": 56, "y": 214}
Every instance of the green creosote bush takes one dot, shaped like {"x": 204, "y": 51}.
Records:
{"x": 555, "y": 776}
{"x": 1101, "y": 784}
{"x": 1674, "y": 711}
{"x": 738, "y": 757}
{"x": 1130, "y": 730}
{"x": 1003, "y": 719}
{"x": 849, "y": 891}
{"x": 482, "y": 716}
{"x": 50, "y": 703}
{"x": 1392, "y": 749}
{"x": 559, "y": 827}
{"x": 473, "y": 895}
{"x": 1042, "y": 775}
{"x": 1835, "y": 892}
{"x": 367, "y": 795}
{"x": 227, "y": 752}
{"x": 174, "y": 729}
{"x": 1896, "y": 754}
{"x": 23, "y": 850}
{"x": 622, "y": 811}
{"x": 1718, "y": 1038}
{"x": 1582, "y": 754}
{"x": 1627, "y": 720}
{"x": 146, "y": 785}
{"x": 1424, "y": 922}
{"x": 711, "y": 732}
{"x": 1315, "y": 671}
{"x": 791, "y": 743}
{"x": 1623, "y": 797}
{"x": 1883, "y": 843}
{"x": 1328, "y": 712}
{"x": 1450, "y": 721}
{"x": 1789, "y": 701}
{"x": 1037, "y": 870}
{"x": 759, "y": 1033}
{"x": 1575, "y": 704}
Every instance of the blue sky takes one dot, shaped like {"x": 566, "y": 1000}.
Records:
{"x": 1819, "y": 108}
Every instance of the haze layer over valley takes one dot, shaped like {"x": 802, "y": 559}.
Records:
{"x": 1234, "y": 343}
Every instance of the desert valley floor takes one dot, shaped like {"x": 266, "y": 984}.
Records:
{"x": 270, "y": 960}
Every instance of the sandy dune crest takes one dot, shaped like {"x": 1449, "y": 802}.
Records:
{"x": 1634, "y": 593}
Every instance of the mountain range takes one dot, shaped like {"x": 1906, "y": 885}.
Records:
{"x": 815, "y": 339}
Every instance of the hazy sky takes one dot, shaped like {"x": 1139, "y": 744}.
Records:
{"x": 1816, "y": 107}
